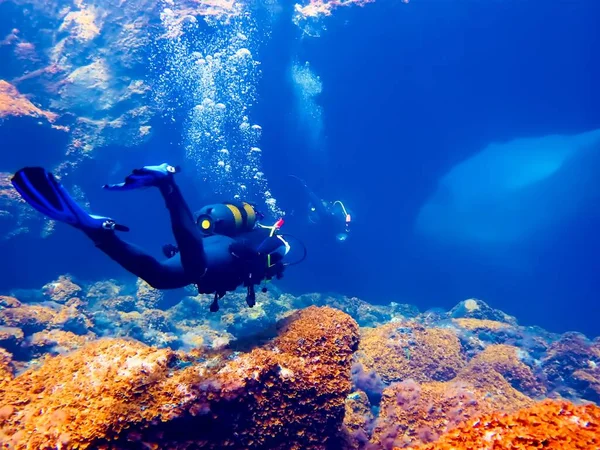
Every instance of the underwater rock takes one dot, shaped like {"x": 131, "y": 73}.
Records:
{"x": 549, "y": 424}
{"x": 22, "y": 327}
{"x": 365, "y": 314}
{"x": 571, "y": 367}
{"x": 317, "y": 8}
{"x": 13, "y": 103}
{"x": 368, "y": 382}
{"x": 56, "y": 342}
{"x": 147, "y": 296}
{"x": 407, "y": 350}
{"x": 61, "y": 290}
{"x": 6, "y": 369}
{"x": 102, "y": 291}
{"x": 16, "y": 217}
{"x": 11, "y": 338}
{"x": 507, "y": 361}
{"x": 358, "y": 420}
{"x": 478, "y": 309}
{"x": 413, "y": 413}
{"x": 29, "y": 318}
{"x": 512, "y": 191}
{"x": 122, "y": 394}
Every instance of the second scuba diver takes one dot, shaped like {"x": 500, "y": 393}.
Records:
{"x": 225, "y": 248}
{"x": 332, "y": 216}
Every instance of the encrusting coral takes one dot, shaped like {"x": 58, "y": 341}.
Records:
{"x": 418, "y": 413}
{"x": 290, "y": 393}
{"x": 549, "y": 425}
{"x": 268, "y": 377}
{"x": 505, "y": 360}
{"x": 407, "y": 350}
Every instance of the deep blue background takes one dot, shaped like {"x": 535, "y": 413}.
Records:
{"x": 409, "y": 91}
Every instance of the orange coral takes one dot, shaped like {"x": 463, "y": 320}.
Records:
{"x": 6, "y": 371}
{"x": 25, "y": 319}
{"x": 57, "y": 340}
{"x": 61, "y": 290}
{"x": 29, "y": 318}
{"x": 497, "y": 391}
{"x": 12, "y": 103}
{"x": 480, "y": 324}
{"x": 11, "y": 337}
{"x": 413, "y": 413}
{"x": 9, "y": 302}
{"x": 114, "y": 391}
{"x": 549, "y": 425}
{"x": 358, "y": 419}
{"x": 506, "y": 361}
{"x": 102, "y": 379}
{"x": 401, "y": 350}
{"x": 307, "y": 337}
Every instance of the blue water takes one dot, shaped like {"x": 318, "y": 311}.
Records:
{"x": 408, "y": 92}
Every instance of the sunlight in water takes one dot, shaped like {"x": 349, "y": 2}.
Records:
{"x": 307, "y": 87}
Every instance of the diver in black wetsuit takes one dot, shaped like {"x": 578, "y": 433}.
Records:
{"x": 331, "y": 216}
{"x": 224, "y": 249}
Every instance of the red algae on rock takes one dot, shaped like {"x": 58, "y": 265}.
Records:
{"x": 113, "y": 392}
{"x": 549, "y": 425}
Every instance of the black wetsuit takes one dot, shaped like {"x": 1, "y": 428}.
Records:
{"x": 216, "y": 263}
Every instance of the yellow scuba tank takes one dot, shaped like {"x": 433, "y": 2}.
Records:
{"x": 227, "y": 218}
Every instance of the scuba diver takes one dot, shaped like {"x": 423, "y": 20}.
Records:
{"x": 333, "y": 216}
{"x": 224, "y": 248}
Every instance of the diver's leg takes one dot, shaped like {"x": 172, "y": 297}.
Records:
{"x": 168, "y": 274}
{"x": 186, "y": 232}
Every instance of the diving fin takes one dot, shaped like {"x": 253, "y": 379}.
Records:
{"x": 42, "y": 191}
{"x": 147, "y": 176}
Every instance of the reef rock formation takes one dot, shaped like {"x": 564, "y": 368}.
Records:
{"x": 550, "y": 424}
{"x": 289, "y": 393}
{"x": 12, "y": 103}
{"x": 407, "y": 350}
{"x": 80, "y": 67}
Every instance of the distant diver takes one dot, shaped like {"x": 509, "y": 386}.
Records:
{"x": 224, "y": 248}
{"x": 332, "y": 216}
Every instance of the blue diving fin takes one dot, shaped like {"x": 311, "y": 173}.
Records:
{"x": 41, "y": 190}
{"x": 145, "y": 177}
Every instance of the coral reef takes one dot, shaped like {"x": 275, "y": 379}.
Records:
{"x": 407, "y": 350}
{"x": 277, "y": 396}
{"x": 288, "y": 373}
{"x": 418, "y": 413}
{"x": 506, "y": 360}
{"x": 61, "y": 290}
{"x": 32, "y": 330}
{"x": 358, "y": 420}
{"x": 550, "y": 424}
{"x": 6, "y": 370}
{"x": 571, "y": 366}
{"x": 478, "y": 309}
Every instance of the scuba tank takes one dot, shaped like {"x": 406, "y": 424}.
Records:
{"x": 227, "y": 218}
